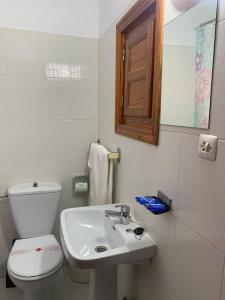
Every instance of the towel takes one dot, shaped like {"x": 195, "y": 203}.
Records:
{"x": 101, "y": 175}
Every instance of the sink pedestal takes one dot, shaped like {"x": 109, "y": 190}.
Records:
{"x": 103, "y": 283}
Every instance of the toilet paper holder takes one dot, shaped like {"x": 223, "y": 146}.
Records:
{"x": 80, "y": 184}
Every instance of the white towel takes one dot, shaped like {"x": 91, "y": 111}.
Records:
{"x": 101, "y": 175}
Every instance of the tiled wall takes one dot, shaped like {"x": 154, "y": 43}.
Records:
{"x": 48, "y": 111}
{"x": 191, "y": 240}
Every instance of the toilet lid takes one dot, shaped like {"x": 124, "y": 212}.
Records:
{"x": 34, "y": 257}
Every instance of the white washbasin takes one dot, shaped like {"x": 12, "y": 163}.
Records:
{"x": 86, "y": 228}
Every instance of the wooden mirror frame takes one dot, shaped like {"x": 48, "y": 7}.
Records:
{"x": 139, "y": 130}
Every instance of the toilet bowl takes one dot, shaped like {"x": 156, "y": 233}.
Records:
{"x": 33, "y": 263}
{"x": 36, "y": 258}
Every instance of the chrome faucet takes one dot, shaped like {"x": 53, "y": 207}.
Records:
{"x": 123, "y": 214}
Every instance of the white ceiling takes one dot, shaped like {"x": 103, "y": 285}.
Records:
{"x": 70, "y": 17}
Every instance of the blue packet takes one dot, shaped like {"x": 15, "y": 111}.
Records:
{"x": 157, "y": 208}
{"x": 145, "y": 200}
{"x": 153, "y": 204}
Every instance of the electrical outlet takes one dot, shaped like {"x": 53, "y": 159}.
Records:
{"x": 208, "y": 146}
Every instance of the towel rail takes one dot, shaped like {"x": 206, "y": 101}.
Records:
{"x": 114, "y": 155}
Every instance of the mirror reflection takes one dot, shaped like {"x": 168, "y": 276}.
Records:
{"x": 188, "y": 54}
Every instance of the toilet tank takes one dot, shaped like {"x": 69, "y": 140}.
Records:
{"x": 34, "y": 207}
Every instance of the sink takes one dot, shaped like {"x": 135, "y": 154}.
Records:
{"x": 92, "y": 240}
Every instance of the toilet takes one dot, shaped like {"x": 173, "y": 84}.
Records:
{"x": 36, "y": 257}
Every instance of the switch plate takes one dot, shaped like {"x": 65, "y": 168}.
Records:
{"x": 208, "y": 146}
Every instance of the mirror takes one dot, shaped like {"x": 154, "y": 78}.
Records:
{"x": 188, "y": 54}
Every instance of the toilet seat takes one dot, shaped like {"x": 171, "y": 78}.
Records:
{"x": 35, "y": 258}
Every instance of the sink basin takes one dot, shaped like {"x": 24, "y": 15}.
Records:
{"x": 86, "y": 230}
{"x": 92, "y": 240}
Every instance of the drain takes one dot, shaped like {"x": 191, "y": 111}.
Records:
{"x": 101, "y": 249}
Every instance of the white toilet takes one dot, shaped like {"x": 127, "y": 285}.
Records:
{"x": 36, "y": 258}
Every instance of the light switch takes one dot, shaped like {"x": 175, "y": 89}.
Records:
{"x": 208, "y": 146}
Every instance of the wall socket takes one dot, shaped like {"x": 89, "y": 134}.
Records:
{"x": 208, "y": 146}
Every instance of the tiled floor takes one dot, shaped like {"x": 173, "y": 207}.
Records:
{"x": 61, "y": 289}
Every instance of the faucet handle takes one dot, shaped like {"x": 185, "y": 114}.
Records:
{"x": 125, "y": 209}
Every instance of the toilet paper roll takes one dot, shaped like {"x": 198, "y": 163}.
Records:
{"x": 81, "y": 187}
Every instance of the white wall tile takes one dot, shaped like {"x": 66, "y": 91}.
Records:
{"x": 106, "y": 100}
{"x": 82, "y": 55}
{"x": 53, "y": 48}
{"x": 152, "y": 170}
{"x": 164, "y": 171}
{"x": 83, "y": 134}
{"x": 52, "y": 140}
{"x": 53, "y": 99}
{"x": 221, "y": 10}
{"x": 14, "y": 172}
{"x": 83, "y": 97}
{"x": 17, "y": 140}
{"x": 217, "y": 124}
{"x": 136, "y": 167}
{"x": 223, "y": 290}
{"x": 79, "y": 165}
{"x": 1, "y": 53}
{"x": 201, "y": 191}
{"x": 18, "y": 97}
{"x": 151, "y": 287}
{"x": 53, "y": 170}
{"x": 198, "y": 267}
{"x": 107, "y": 52}
{"x": 125, "y": 191}
{"x": 20, "y": 52}
{"x": 1, "y": 43}
{"x": 67, "y": 99}
{"x": 162, "y": 230}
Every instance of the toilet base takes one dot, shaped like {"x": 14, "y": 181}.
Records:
{"x": 38, "y": 289}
